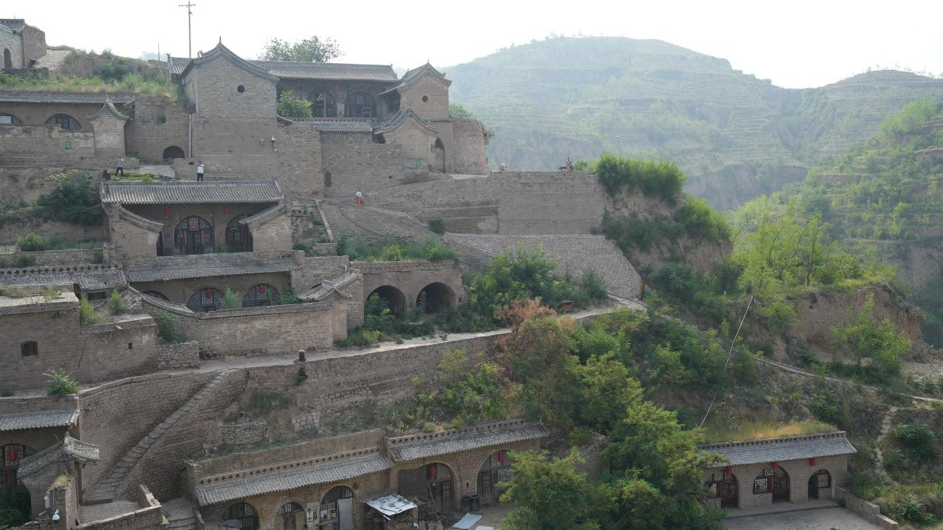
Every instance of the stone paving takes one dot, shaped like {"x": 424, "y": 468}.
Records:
{"x": 813, "y": 515}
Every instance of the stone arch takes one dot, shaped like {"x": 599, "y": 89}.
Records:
{"x": 393, "y": 297}
{"x": 173, "y": 152}
{"x": 819, "y": 482}
{"x": 336, "y": 509}
{"x": 434, "y": 483}
{"x": 773, "y": 480}
{"x": 11, "y": 456}
{"x": 205, "y": 300}
{"x": 238, "y": 237}
{"x": 9, "y": 119}
{"x": 64, "y": 121}
{"x": 241, "y": 515}
{"x": 291, "y": 516}
{"x": 193, "y": 235}
{"x": 436, "y": 297}
{"x": 260, "y": 295}
{"x": 495, "y": 469}
{"x": 7, "y": 59}
{"x": 725, "y": 488}
{"x": 439, "y": 149}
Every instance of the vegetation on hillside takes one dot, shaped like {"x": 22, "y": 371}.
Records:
{"x": 390, "y": 249}
{"x": 89, "y": 72}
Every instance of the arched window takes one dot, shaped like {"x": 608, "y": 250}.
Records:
{"x": 261, "y": 294}
{"x": 204, "y": 300}
{"x": 11, "y": 456}
{"x": 238, "y": 238}
{"x": 64, "y": 121}
{"x": 292, "y": 516}
{"x": 360, "y": 105}
{"x": 193, "y": 235}
{"x": 157, "y": 294}
{"x": 9, "y": 119}
{"x": 324, "y": 105}
{"x": 242, "y": 516}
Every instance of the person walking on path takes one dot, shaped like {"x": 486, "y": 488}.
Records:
{"x": 119, "y": 166}
{"x": 358, "y": 197}
{"x": 200, "y": 169}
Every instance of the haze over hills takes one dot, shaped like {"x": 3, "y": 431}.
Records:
{"x": 735, "y": 136}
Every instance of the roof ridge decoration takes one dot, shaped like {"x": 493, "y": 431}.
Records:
{"x": 397, "y": 120}
{"x": 289, "y": 465}
{"x": 326, "y": 287}
{"x": 70, "y": 449}
{"x": 109, "y": 108}
{"x": 221, "y": 50}
{"x": 429, "y": 436}
{"x": 773, "y": 441}
{"x": 413, "y": 76}
{"x": 139, "y": 221}
{"x": 264, "y": 216}
{"x": 192, "y": 192}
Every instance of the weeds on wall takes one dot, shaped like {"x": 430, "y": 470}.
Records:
{"x": 168, "y": 326}
{"x": 87, "y": 314}
{"x": 116, "y": 303}
{"x": 61, "y": 383}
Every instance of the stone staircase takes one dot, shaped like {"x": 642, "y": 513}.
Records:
{"x": 106, "y": 489}
{"x": 180, "y": 515}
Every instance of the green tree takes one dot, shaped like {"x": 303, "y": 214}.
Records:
{"x": 291, "y": 106}
{"x": 311, "y": 50}
{"x": 864, "y": 337}
{"x": 73, "y": 199}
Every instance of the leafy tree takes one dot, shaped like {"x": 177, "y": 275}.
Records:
{"x": 72, "y": 199}
{"x": 311, "y": 50}
{"x": 33, "y": 242}
{"x": 863, "y": 337}
{"x": 291, "y": 106}
{"x": 458, "y": 111}
{"x": 659, "y": 179}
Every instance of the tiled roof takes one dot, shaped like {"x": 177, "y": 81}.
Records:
{"x": 265, "y": 215}
{"x": 69, "y": 448}
{"x": 289, "y": 475}
{"x": 89, "y": 277}
{"x": 416, "y": 74}
{"x": 72, "y": 98}
{"x": 329, "y": 71}
{"x": 220, "y": 51}
{"x": 782, "y": 449}
{"x": 208, "y": 270}
{"x": 14, "y": 24}
{"x": 326, "y": 287}
{"x": 226, "y": 192}
{"x": 413, "y": 447}
{"x": 400, "y": 118}
{"x": 44, "y": 419}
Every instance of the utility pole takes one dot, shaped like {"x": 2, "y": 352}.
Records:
{"x": 188, "y": 5}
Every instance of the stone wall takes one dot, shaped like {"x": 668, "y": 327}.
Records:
{"x": 178, "y": 356}
{"x": 147, "y": 517}
{"x": 60, "y": 258}
{"x": 109, "y": 134}
{"x": 11, "y": 42}
{"x": 48, "y": 145}
{"x": 53, "y": 326}
{"x": 158, "y": 123}
{"x": 34, "y": 44}
{"x": 355, "y": 161}
{"x": 468, "y": 148}
{"x": 411, "y": 277}
{"x": 869, "y": 511}
{"x": 244, "y": 432}
{"x": 117, "y": 349}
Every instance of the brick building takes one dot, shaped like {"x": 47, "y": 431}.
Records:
{"x": 22, "y": 44}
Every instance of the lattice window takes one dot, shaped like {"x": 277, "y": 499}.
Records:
{"x": 244, "y": 514}
{"x": 64, "y": 121}
{"x": 238, "y": 238}
{"x": 193, "y": 235}
{"x": 204, "y": 300}
{"x": 260, "y": 295}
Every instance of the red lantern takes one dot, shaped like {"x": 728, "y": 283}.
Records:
{"x": 225, "y": 210}
{"x": 774, "y": 466}
{"x": 501, "y": 457}
{"x": 11, "y": 454}
{"x": 728, "y": 470}
{"x": 166, "y": 212}
{"x": 430, "y": 472}
{"x": 209, "y": 293}
{"x": 261, "y": 288}
{"x": 812, "y": 461}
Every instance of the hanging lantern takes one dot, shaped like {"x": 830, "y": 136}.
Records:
{"x": 209, "y": 294}
{"x": 166, "y": 212}
{"x": 728, "y": 470}
{"x": 774, "y": 466}
{"x": 261, "y": 288}
{"x": 225, "y": 210}
{"x": 430, "y": 472}
{"x": 501, "y": 457}
{"x": 812, "y": 461}
{"x": 11, "y": 454}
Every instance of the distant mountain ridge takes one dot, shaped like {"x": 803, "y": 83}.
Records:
{"x": 735, "y": 136}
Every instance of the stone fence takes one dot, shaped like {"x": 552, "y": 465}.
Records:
{"x": 57, "y": 257}
{"x": 147, "y": 517}
{"x": 869, "y": 511}
{"x": 178, "y": 356}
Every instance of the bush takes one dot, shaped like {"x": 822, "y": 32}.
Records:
{"x": 116, "y": 303}
{"x": 437, "y": 226}
{"x": 230, "y": 300}
{"x": 168, "y": 326}
{"x": 661, "y": 179}
{"x": 87, "y": 314}
{"x": 32, "y": 242}
{"x": 917, "y": 440}
{"x": 61, "y": 383}
{"x": 73, "y": 199}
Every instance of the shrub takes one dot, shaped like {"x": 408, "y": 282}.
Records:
{"x": 61, "y": 383}
{"x": 32, "y": 242}
{"x": 73, "y": 199}
{"x": 116, "y": 303}
{"x": 87, "y": 314}
{"x": 661, "y": 179}
{"x": 168, "y": 326}
{"x": 917, "y": 440}
{"x": 230, "y": 300}
{"x": 437, "y": 226}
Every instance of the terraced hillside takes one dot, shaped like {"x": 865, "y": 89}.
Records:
{"x": 736, "y": 136}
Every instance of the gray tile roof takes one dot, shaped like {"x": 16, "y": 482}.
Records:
{"x": 71, "y": 98}
{"x": 220, "y": 51}
{"x": 265, "y": 215}
{"x": 413, "y": 447}
{"x": 414, "y": 75}
{"x": 782, "y": 449}
{"x": 326, "y": 287}
{"x": 207, "y": 270}
{"x": 400, "y": 118}
{"x": 289, "y": 475}
{"x": 329, "y": 71}
{"x": 88, "y": 277}
{"x": 223, "y": 192}
{"x": 14, "y": 24}
{"x": 43, "y": 419}
{"x": 69, "y": 448}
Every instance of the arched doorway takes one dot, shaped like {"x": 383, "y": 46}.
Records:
{"x": 439, "y": 149}
{"x": 11, "y": 455}
{"x": 260, "y": 295}
{"x": 172, "y": 152}
{"x": 820, "y": 484}
{"x": 394, "y": 299}
{"x": 336, "y": 511}
{"x": 433, "y": 483}
{"x": 495, "y": 469}
{"x": 205, "y": 300}
{"x": 291, "y": 516}
{"x": 238, "y": 237}
{"x": 774, "y": 480}
{"x": 724, "y": 486}
{"x": 241, "y": 515}
{"x": 435, "y": 297}
{"x": 193, "y": 235}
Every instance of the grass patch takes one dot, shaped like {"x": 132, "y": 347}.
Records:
{"x": 759, "y": 429}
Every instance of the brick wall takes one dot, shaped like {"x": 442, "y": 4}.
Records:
{"x": 109, "y": 134}
{"x": 158, "y": 123}
{"x": 120, "y": 349}
{"x": 48, "y": 145}
{"x": 178, "y": 356}
{"x": 355, "y": 161}
{"x": 11, "y": 41}
{"x": 468, "y": 148}
{"x": 435, "y": 93}
{"x": 415, "y": 145}
{"x": 34, "y": 44}
{"x": 214, "y": 87}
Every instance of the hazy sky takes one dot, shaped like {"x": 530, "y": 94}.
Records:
{"x": 801, "y": 44}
